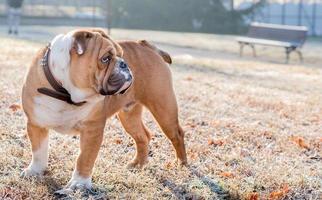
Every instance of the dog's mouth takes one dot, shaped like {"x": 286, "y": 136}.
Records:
{"x": 119, "y": 87}
{"x": 119, "y": 81}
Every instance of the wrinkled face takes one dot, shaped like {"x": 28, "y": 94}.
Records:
{"x": 97, "y": 64}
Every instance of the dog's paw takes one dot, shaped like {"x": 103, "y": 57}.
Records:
{"x": 182, "y": 163}
{"x": 29, "y": 172}
{"x": 74, "y": 185}
{"x": 136, "y": 164}
{"x": 79, "y": 184}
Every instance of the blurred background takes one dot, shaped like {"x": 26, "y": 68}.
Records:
{"x": 252, "y": 124}
{"x": 208, "y": 16}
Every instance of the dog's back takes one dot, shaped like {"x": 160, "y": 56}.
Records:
{"x": 166, "y": 57}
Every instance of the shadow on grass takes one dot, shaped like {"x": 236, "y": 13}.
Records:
{"x": 181, "y": 193}
{"x": 218, "y": 191}
{"x": 51, "y": 184}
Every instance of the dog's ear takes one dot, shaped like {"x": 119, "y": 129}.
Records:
{"x": 80, "y": 42}
{"x": 100, "y": 31}
{"x": 118, "y": 48}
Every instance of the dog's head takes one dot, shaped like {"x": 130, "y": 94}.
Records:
{"x": 93, "y": 62}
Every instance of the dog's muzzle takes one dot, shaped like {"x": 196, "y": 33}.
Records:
{"x": 119, "y": 81}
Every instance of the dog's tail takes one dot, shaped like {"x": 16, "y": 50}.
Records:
{"x": 166, "y": 57}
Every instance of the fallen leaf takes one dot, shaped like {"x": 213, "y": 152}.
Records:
{"x": 15, "y": 107}
{"x": 190, "y": 124}
{"x": 268, "y": 134}
{"x": 118, "y": 141}
{"x": 226, "y": 174}
{"x": 276, "y": 195}
{"x": 253, "y": 196}
{"x": 215, "y": 142}
{"x": 193, "y": 156}
{"x": 168, "y": 165}
{"x": 300, "y": 142}
{"x": 285, "y": 188}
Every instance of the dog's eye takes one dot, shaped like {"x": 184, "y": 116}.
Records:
{"x": 106, "y": 59}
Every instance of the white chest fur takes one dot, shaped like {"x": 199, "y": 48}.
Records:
{"x": 60, "y": 116}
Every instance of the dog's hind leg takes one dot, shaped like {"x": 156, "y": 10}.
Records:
{"x": 132, "y": 123}
{"x": 165, "y": 110}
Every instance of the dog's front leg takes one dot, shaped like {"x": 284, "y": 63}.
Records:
{"x": 90, "y": 143}
{"x": 39, "y": 144}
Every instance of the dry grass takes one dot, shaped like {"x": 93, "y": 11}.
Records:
{"x": 253, "y": 130}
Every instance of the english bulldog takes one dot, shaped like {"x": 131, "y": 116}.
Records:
{"x": 84, "y": 77}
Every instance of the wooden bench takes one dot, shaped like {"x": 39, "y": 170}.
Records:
{"x": 291, "y": 38}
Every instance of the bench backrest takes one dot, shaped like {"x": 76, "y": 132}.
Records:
{"x": 293, "y": 34}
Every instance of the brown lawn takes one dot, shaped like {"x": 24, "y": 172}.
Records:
{"x": 253, "y": 128}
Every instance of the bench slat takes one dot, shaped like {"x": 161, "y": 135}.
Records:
{"x": 265, "y": 42}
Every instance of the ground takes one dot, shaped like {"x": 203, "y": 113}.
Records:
{"x": 253, "y": 125}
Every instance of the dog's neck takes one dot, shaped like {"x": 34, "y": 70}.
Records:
{"x": 59, "y": 59}
{"x": 59, "y": 65}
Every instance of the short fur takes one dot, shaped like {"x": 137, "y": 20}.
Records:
{"x": 83, "y": 78}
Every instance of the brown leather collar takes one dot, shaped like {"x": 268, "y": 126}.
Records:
{"x": 59, "y": 91}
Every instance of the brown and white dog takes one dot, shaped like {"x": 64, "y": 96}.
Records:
{"x": 103, "y": 77}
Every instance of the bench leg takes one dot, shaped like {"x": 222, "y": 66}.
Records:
{"x": 288, "y": 52}
{"x": 241, "y": 49}
{"x": 300, "y": 55}
{"x": 254, "y": 50}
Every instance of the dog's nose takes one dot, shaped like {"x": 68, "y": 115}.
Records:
{"x": 123, "y": 65}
